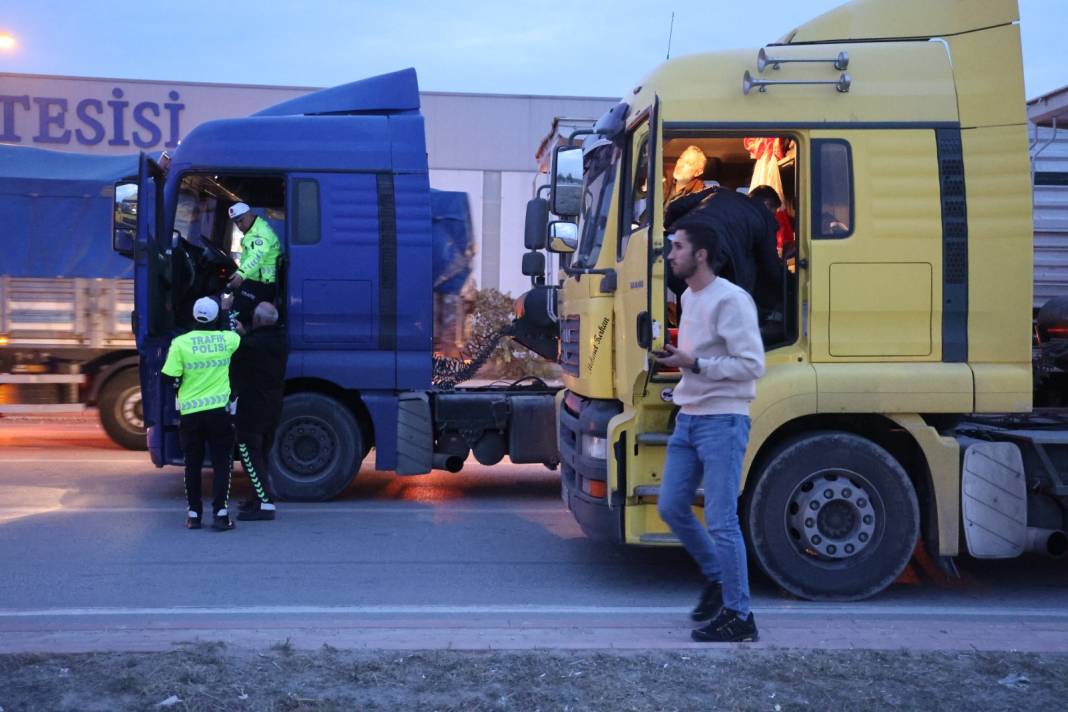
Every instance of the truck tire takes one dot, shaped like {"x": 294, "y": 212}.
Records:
{"x": 318, "y": 448}
{"x": 119, "y": 406}
{"x": 833, "y": 517}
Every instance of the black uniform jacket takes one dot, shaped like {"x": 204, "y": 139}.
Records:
{"x": 257, "y": 379}
{"x": 747, "y": 232}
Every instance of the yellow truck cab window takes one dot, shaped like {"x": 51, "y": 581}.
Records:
{"x": 600, "y": 177}
{"x": 832, "y": 187}
{"x": 636, "y": 199}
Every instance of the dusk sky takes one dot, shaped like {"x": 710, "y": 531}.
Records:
{"x": 596, "y": 48}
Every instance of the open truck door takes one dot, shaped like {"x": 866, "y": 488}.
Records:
{"x": 152, "y": 318}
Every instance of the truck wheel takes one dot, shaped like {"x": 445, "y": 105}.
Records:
{"x": 833, "y": 517}
{"x": 120, "y": 411}
{"x": 318, "y": 448}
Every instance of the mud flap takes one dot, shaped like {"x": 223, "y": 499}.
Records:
{"x": 994, "y": 500}
{"x": 415, "y": 434}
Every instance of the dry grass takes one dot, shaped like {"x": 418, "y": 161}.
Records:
{"x": 212, "y": 677}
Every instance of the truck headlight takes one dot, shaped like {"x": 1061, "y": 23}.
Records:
{"x": 593, "y": 446}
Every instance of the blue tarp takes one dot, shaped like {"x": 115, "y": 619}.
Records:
{"x": 56, "y": 213}
{"x": 454, "y": 247}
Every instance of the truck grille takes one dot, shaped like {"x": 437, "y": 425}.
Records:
{"x": 569, "y": 345}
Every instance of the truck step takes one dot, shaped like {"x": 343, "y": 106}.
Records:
{"x": 653, "y": 491}
{"x": 653, "y": 438}
{"x": 659, "y": 539}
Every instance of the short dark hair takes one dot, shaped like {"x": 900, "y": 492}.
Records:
{"x": 767, "y": 194}
{"x": 703, "y": 236}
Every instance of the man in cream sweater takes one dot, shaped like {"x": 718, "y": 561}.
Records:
{"x": 721, "y": 357}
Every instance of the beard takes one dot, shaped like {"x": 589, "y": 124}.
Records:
{"x": 683, "y": 270}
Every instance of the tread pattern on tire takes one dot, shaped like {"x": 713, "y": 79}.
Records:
{"x": 349, "y": 439}
{"x": 111, "y": 421}
{"x": 863, "y": 576}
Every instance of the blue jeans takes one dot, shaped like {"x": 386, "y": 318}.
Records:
{"x": 708, "y": 450}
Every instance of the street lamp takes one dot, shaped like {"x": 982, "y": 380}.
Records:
{"x": 7, "y": 41}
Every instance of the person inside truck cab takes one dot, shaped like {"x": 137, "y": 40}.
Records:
{"x": 687, "y": 174}
{"x": 255, "y": 280}
{"x": 747, "y": 255}
{"x": 769, "y": 197}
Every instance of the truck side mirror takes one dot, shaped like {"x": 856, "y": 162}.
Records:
{"x": 123, "y": 242}
{"x": 563, "y": 237}
{"x": 536, "y": 224}
{"x": 565, "y": 197}
{"x": 124, "y": 219}
{"x": 533, "y": 264}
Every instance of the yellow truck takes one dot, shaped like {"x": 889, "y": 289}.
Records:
{"x": 897, "y": 403}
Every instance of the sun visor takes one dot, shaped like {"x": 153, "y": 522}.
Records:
{"x": 396, "y": 92}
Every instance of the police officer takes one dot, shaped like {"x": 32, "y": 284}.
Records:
{"x": 255, "y": 280}
{"x": 257, "y": 378}
{"x": 201, "y": 360}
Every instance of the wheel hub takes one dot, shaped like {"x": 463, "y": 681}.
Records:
{"x": 132, "y": 412}
{"x": 831, "y": 515}
{"x": 307, "y": 447}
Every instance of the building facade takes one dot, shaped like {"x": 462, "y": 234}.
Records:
{"x": 481, "y": 144}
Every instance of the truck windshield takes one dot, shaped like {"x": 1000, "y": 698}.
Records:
{"x": 599, "y": 177}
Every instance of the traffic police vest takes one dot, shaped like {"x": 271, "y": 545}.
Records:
{"x": 259, "y": 253}
{"x": 202, "y": 360}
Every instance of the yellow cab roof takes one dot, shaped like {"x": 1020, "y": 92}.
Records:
{"x": 906, "y": 77}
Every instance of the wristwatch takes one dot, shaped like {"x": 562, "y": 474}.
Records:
{"x": 696, "y": 368}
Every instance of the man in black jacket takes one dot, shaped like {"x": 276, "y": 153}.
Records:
{"x": 257, "y": 378}
{"x": 748, "y": 256}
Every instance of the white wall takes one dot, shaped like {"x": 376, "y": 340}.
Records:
{"x": 516, "y": 189}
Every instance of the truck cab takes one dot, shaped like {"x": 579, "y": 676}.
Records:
{"x": 895, "y": 138}
{"x": 341, "y": 176}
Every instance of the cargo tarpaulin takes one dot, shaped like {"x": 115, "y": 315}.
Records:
{"x": 56, "y": 213}
{"x": 454, "y": 245}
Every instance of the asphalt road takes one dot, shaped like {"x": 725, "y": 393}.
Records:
{"x": 95, "y": 556}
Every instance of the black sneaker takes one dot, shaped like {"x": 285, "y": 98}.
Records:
{"x": 222, "y": 521}
{"x": 727, "y": 627}
{"x": 257, "y": 513}
{"x": 192, "y": 520}
{"x": 710, "y": 603}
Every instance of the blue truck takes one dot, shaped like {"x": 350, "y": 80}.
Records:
{"x": 342, "y": 175}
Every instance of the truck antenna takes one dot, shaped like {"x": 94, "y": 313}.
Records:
{"x": 671, "y": 31}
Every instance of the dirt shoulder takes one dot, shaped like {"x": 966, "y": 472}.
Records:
{"x": 215, "y": 677}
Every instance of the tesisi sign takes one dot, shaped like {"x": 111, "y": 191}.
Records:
{"x": 114, "y": 120}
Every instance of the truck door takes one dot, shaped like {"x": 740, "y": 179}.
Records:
{"x": 340, "y": 277}
{"x": 152, "y": 317}
{"x": 642, "y": 322}
{"x": 641, "y": 249}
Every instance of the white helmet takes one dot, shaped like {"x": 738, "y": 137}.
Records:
{"x": 205, "y": 310}
{"x": 237, "y": 210}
